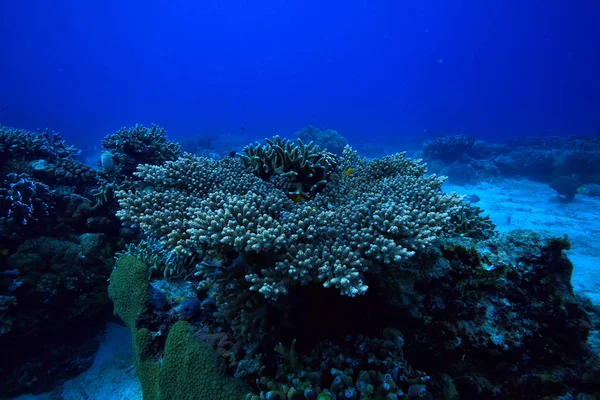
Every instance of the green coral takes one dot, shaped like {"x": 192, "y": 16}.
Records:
{"x": 129, "y": 289}
{"x": 187, "y": 368}
{"x": 146, "y": 366}
{"x": 192, "y": 369}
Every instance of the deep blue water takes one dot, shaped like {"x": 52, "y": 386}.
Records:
{"x": 376, "y": 69}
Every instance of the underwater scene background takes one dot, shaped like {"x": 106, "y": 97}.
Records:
{"x": 300, "y": 200}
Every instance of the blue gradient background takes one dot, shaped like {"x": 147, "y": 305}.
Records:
{"x": 382, "y": 70}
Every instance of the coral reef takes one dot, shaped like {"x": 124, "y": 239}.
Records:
{"x": 379, "y": 286}
{"x": 479, "y": 316}
{"x": 286, "y": 273}
{"x": 139, "y": 145}
{"x": 129, "y": 289}
{"x": 57, "y": 304}
{"x": 72, "y": 172}
{"x": 18, "y": 144}
{"x": 46, "y": 157}
{"x": 356, "y": 364}
{"x": 329, "y": 139}
{"x": 514, "y": 329}
{"x": 382, "y": 211}
{"x": 155, "y": 255}
{"x": 188, "y": 367}
{"x": 538, "y": 158}
{"x": 448, "y": 148}
{"x": 56, "y": 254}
{"x": 124, "y": 150}
{"x": 23, "y": 202}
{"x": 356, "y": 367}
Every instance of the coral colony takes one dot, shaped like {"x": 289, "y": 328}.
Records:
{"x": 283, "y": 271}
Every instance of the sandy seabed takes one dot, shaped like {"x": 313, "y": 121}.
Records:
{"x": 523, "y": 204}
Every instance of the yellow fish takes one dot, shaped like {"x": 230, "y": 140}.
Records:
{"x": 348, "y": 172}
{"x": 297, "y": 198}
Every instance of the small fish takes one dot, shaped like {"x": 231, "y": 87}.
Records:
{"x": 10, "y": 272}
{"x": 297, "y": 198}
{"x": 348, "y": 172}
{"x": 106, "y": 161}
{"x": 473, "y": 198}
{"x": 242, "y": 128}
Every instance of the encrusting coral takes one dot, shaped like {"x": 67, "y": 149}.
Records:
{"x": 223, "y": 213}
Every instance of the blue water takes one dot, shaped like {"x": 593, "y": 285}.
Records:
{"x": 380, "y": 69}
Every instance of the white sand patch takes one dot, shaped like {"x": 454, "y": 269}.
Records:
{"x": 112, "y": 375}
{"x": 524, "y": 204}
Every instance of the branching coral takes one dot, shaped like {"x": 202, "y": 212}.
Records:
{"x": 139, "y": 144}
{"x": 379, "y": 214}
{"x": 155, "y": 255}
{"x": 69, "y": 171}
{"x": 21, "y": 144}
{"x": 24, "y": 200}
{"x": 124, "y": 150}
